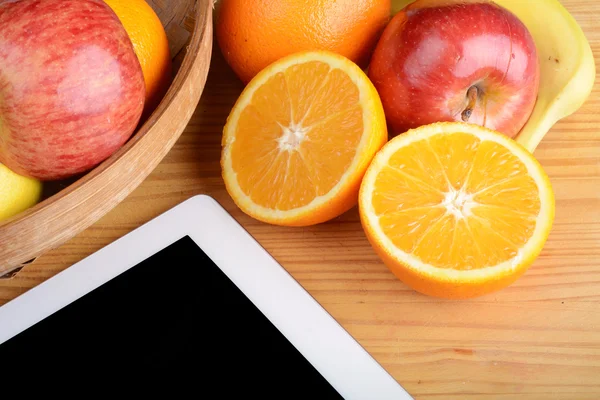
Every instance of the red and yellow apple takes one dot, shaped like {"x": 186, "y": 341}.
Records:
{"x": 71, "y": 87}
{"x": 453, "y": 60}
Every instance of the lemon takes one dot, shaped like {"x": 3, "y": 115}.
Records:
{"x": 17, "y": 193}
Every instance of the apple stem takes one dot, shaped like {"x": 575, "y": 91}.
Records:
{"x": 472, "y": 95}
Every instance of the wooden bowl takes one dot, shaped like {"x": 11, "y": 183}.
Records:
{"x": 76, "y": 205}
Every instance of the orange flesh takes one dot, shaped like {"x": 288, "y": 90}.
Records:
{"x": 298, "y": 136}
{"x": 433, "y": 201}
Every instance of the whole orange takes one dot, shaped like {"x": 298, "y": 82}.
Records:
{"x": 151, "y": 47}
{"x": 255, "y": 33}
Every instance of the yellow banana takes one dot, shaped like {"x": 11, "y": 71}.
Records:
{"x": 567, "y": 67}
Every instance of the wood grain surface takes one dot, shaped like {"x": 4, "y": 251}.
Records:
{"x": 537, "y": 339}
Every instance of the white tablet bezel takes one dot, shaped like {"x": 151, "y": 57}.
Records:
{"x": 326, "y": 345}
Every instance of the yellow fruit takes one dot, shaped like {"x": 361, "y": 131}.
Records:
{"x": 151, "y": 46}
{"x": 567, "y": 67}
{"x": 456, "y": 210}
{"x": 17, "y": 193}
{"x": 300, "y": 137}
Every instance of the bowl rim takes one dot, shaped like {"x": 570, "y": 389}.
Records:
{"x": 58, "y": 218}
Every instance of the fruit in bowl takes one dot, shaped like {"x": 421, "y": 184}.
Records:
{"x": 17, "y": 193}
{"x": 71, "y": 87}
{"x": 456, "y": 60}
{"x": 71, "y": 205}
{"x": 151, "y": 46}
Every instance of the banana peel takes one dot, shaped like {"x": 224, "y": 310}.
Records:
{"x": 567, "y": 66}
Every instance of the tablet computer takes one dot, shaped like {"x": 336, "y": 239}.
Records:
{"x": 187, "y": 300}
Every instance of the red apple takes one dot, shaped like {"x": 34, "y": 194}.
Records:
{"x": 71, "y": 87}
{"x": 445, "y": 60}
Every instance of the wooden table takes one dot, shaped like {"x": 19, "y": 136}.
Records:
{"x": 538, "y": 339}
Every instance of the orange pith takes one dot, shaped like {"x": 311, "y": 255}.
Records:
{"x": 299, "y": 140}
{"x": 302, "y": 152}
{"x": 455, "y": 210}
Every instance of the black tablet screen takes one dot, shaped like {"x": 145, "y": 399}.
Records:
{"x": 173, "y": 320}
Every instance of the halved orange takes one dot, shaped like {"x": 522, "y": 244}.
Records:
{"x": 456, "y": 210}
{"x": 300, "y": 138}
